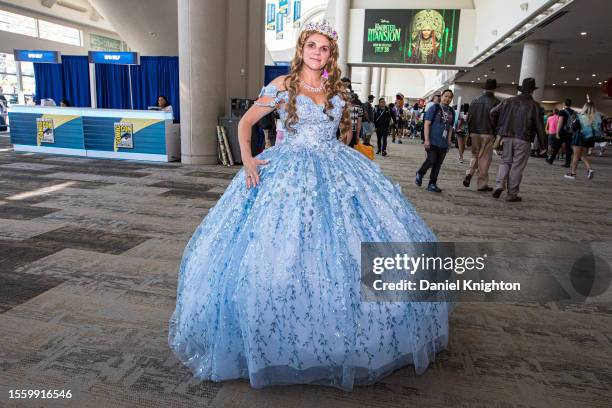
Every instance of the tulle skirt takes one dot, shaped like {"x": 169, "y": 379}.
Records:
{"x": 269, "y": 284}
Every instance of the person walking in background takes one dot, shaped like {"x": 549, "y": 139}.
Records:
{"x": 552, "y": 121}
{"x": 406, "y": 115}
{"x": 439, "y": 121}
{"x": 356, "y": 112}
{"x": 482, "y": 133}
{"x": 393, "y": 123}
{"x": 435, "y": 99}
{"x": 587, "y": 129}
{"x": 410, "y": 121}
{"x": 551, "y": 130}
{"x": 518, "y": 121}
{"x": 417, "y": 121}
{"x": 537, "y": 148}
{"x": 398, "y": 115}
{"x": 564, "y": 135}
{"x": 461, "y": 130}
{"x": 368, "y": 120}
{"x": 382, "y": 119}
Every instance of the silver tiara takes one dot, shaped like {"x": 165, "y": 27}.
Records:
{"x": 322, "y": 27}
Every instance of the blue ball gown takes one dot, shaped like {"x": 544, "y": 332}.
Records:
{"x": 269, "y": 284}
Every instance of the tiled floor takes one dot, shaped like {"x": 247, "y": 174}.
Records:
{"x": 89, "y": 251}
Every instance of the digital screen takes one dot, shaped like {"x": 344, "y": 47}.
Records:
{"x": 411, "y": 36}
{"x": 52, "y": 57}
{"x": 114, "y": 57}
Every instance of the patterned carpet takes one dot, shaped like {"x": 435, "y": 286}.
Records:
{"x": 89, "y": 251}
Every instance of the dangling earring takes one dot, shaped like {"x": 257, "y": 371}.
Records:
{"x": 325, "y": 73}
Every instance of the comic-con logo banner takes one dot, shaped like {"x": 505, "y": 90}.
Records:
{"x": 124, "y": 135}
{"x": 411, "y": 36}
{"x": 45, "y": 131}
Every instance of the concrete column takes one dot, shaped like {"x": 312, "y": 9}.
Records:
{"x": 376, "y": 82}
{"x": 221, "y": 55}
{"x": 245, "y": 57}
{"x": 342, "y": 28}
{"x": 366, "y": 83}
{"x": 383, "y": 82}
{"x": 257, "y": 47}
{"x": 534, "y": 65}
{"x": 202, "y": 77}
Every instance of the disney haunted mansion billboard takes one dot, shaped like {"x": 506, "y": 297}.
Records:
{"x": 411, "y": 36}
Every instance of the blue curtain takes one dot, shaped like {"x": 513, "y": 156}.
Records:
{"x": 48, "y": 79}
{"x": 153, "y": 77}
{"x": 112, "y": 86}
{"x": 70, "y": 80}
{"x": 75, "y": 73}
{"x": 273, "y": 71}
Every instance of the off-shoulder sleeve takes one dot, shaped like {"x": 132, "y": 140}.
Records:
{"x": 268, "y": 96}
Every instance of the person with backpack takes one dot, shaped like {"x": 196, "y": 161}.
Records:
{"x": 565, "y": 132}
{"x": 587, "y": 128}
{"x": 438, "y": 128}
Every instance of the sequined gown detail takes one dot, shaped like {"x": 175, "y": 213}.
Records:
{"x": 269, "y": 283}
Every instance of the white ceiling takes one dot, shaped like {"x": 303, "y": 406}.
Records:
{"x": 582, "y": 56}
{"x": 148, "y": 26}
{"x": 75, "y": 11}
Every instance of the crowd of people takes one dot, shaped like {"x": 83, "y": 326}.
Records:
{"x": 515, "y": 129}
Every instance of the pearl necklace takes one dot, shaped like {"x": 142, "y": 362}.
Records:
{"x": 312, "y": 88}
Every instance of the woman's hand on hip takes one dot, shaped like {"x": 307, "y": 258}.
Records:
{"x": 250, "y": 171}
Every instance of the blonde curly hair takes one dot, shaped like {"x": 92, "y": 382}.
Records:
{"x": 333, "y": 85}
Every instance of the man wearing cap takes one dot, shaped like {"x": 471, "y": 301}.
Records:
{"x": 518, "y": 121}
{"x": 482, "y": 134}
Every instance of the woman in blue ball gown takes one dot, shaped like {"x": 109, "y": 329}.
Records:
{"x": 269, "y": 283}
